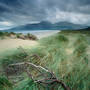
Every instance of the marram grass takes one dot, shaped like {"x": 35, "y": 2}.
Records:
{"x": 66, "y": 54}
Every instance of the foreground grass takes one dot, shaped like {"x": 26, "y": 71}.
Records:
{"x": 66, "y": 54}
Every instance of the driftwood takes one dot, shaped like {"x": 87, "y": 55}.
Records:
{"x": 49, "y": 77}
{"x": 52, "y": 79}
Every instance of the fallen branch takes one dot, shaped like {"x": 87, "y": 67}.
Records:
{"x": 52, "y": 79}
{"x": 49, "y": 77}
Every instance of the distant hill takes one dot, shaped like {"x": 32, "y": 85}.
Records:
{"x": 67, "y": 25}
{"x": 45, "y": 25}
{"x": 86, "y": 29}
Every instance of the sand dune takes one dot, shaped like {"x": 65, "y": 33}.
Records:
{"x": 7, "y": 44}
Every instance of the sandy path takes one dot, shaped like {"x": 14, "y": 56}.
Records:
{"x": 7, "y": 44}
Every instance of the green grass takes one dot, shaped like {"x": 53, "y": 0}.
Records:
{"x": 5, "y": 84}
{"x": 65, "y": 54}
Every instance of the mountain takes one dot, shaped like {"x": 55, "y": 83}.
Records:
{"x": 67, "y": 25}
{"x": 45, "y": 25}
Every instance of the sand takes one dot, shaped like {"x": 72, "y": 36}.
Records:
{"x": 10, "y": 44}
{"x": 7, "y": 44}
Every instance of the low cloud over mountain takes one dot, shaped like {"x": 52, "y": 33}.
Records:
{"x": 18, "y": 12}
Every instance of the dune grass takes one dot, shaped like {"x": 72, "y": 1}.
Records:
{"x": 65, "y": 54}
{"x": 5, "y": 84}
{"x": 28, "y": 36}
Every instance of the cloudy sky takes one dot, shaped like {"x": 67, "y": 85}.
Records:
{"x": 18, "y": 12}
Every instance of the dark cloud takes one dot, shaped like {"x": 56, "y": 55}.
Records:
{"x": 27, "y": 11}
{"x": 84, "y": 2}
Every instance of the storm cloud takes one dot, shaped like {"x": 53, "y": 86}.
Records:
{"x": 19, "y": 12}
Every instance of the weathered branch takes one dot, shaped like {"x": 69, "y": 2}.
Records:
{"x": 48, "y": 75}
{"x": 52, "y": 79}
{"x": 31, "y": 64}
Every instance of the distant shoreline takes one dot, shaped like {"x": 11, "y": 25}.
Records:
{"x": 39, "y": 33}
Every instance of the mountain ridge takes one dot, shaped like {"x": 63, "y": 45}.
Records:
{"x": 45, "y": 25}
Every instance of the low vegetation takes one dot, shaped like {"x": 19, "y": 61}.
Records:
{"x": 13, "y": 35}
{"x": 66, "y": 54}
{"x": 5, "y": 84}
